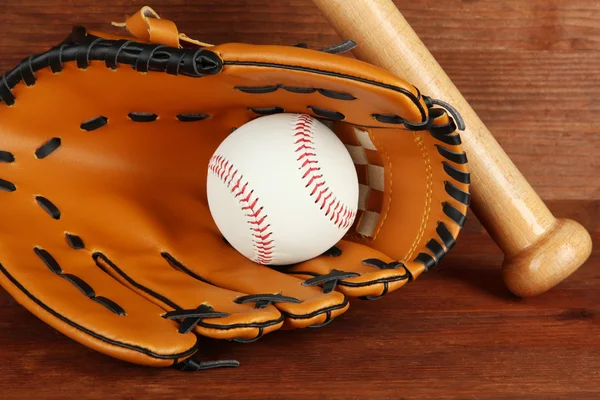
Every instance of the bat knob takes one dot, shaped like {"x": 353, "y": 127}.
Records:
{"x": 548, "y": 261}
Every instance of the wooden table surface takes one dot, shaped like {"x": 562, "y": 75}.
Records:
{"x": 531, "y": 68}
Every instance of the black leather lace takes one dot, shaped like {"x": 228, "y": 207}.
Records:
{"x": 191, "y": 318}
{"x": 460, "y": 122}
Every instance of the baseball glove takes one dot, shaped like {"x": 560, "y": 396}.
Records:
{"x": 104, "y": 148}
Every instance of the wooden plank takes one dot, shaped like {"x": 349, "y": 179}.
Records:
{"x": 526, "y": 67}
{"x": 454, "y": 333}
{"x": 530, "y": 68}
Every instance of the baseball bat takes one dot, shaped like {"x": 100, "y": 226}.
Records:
{"x": 540, "y": 250}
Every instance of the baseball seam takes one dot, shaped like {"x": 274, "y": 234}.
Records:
{"x": 337, "y": 212}
{"x": 262, "y": 240}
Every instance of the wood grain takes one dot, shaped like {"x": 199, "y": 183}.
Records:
{"x": 530, "y": 70}
{"x": 540, "y": 251}
{"x": 456, "y": 333}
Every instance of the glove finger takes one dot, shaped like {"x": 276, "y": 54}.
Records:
{"x": 64, "y": 289}
{"x": 353, "y": 269}
{"x": 302, "y": 305}
{"x": 209, "y": 310}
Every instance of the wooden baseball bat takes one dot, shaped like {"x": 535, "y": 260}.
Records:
{"x": 540, "y": 251}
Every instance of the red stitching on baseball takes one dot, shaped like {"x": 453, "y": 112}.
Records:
{"x": 251, "y": 206}
{"x": 303, "y": 140}
{"x": 304, "y": 147}
{"x": 260, "y": 221}
{"x": 232, "y": 178}
{"x": 263, "y": 237}
{"x": 262, "y": 242}
{"x": 321, "y": 193}
{"x": 261, "y": 230}
{"x": 228, "y": 172}
{"x": 317, "y": 186}
{"x": 329, "y": 195}
{"x": 312, "y": 179}
{"x": 247, "y": 198}
{"x": 309, "y": 172}
{"x": 307, "y": 154}
{"x": 222, "y": 168}
{"x": 308, "y": 162}
{"x": 329, "y": 206}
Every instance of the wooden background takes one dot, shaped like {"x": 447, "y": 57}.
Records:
{"x": 531, "y": 69}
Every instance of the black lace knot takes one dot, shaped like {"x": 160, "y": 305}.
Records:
{"x": 377, "y": 263}
{"x": 330, "y": 280}
{"x": 191, "y": 318}
{"x": 265, "y": 300}
{"x": 460, "y": 122}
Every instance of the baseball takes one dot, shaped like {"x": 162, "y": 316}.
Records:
{"x": 282, "y": 189}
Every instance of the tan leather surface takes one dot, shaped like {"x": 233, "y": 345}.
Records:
{"x": 147, "y": 26}
{"x": 370, "y": 98}
{"x": 414, "y": 201}
{"x": 136, "y": 190}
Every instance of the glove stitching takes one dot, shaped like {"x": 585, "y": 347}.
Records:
{"x": 7, "y": 186}
{"x": 142, "y": 117}
{"x": 329, "y": 281}
{"x": 295, "y": 89}
{"x": 79, "y": 283}
{"x": 49, "y": 207}
{"x": 6, "y": 157}
{"x": 192, "y": 117}
{"x": 94, "y": 123}
{"x": 93, "y": 334}
{"x": 327, "y": 321}
{"x": 458, "y": 158}
{"x": 429, "y": 194}
{"x": 396, "y": 89}
{"x": 329, "y": 114}
{"x": 74, "y": 241}
{"x": 83, "y": 49}
{"x": 230, "y": 178}
{"x": 267, "y": 110}
{"x": 48, "y": 148}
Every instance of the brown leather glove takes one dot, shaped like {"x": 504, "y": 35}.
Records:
{"x": 106, "y": 233}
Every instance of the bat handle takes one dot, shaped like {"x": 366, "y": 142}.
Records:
{"x": 540, "y": 251}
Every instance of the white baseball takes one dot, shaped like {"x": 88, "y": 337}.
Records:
{"x": 282, "y": 189}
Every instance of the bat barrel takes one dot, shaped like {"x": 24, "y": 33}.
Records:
{"x": 540, "y": 251}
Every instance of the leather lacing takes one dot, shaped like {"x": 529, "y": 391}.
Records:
{"x": 191, "y": 318}
{"x": 336, "y": 277}
{"x": 265, "y": 300}
{"x": 82, "y": 49}
{"x": 446, "y": 134}
{"x": 330, "y": 280}
{"x": 192, "y": 365}
{"x": 343, "y": 47}
{"x": 427, "y": 124}
{"x": 449, "y": 107}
